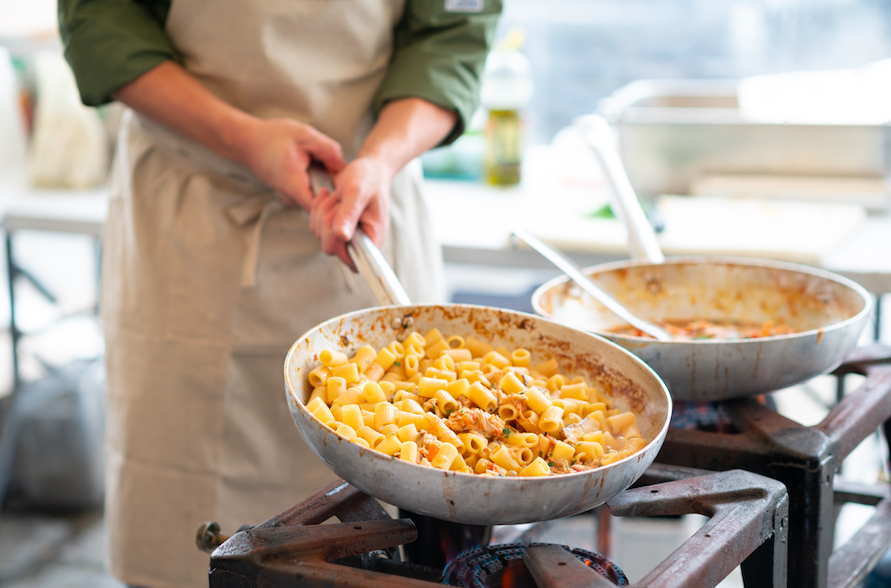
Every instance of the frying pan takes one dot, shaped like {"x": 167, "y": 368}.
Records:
{"x": 827, "y": 311}
{"x": 469, "y": 498}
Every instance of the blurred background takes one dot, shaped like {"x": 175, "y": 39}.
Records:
{"x": 584, "y": 50}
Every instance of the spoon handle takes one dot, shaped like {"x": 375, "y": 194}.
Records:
{"x": 570, "y": 269}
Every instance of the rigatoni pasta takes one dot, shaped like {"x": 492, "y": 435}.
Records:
{"x": 457, "y": 403}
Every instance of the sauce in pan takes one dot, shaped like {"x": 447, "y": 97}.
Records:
{"x": 704, "y": 330}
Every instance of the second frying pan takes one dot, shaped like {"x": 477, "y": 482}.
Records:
{"x": 827, "y": 311}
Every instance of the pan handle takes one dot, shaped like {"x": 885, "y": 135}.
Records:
{"x": 370, "y": 262}
{"x": 641, "y": 237}
{"x": 375, "y": 270}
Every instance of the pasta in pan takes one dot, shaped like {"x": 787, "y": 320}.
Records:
{"x": 459, "y": 404}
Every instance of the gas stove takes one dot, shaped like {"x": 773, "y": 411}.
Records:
{"x": 738, "y": 477}
{"x": 749, "y": 519}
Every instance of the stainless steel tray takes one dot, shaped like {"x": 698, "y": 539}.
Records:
{"x": 673, "y": 132}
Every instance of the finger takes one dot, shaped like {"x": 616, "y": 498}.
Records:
{"x": 376, "y": 228}
{"x": 314, "y": 219}
{"x": 320, "y": 196}
{"x": 331, "y": 245}
{"x": 327, "y": 151}
{"x": 325, "y": 220}
{"x": 375, "y": 220}
{"x": 301, "y": 189}
{"x": 322, "y": 212}
{"x": 344, "y": 256}
{"x": 324, "y": 216}
{"x": 351, "y": 209}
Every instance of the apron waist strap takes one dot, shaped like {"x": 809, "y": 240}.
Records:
{"x": 198, "y": 156}
{"x": 251, "y": 213}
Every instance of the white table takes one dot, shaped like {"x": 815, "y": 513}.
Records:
{"x": 474, "y": 221}
{"x": 81, "y": 212}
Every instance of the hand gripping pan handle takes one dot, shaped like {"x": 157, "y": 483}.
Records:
{"x": 372, "y": 266}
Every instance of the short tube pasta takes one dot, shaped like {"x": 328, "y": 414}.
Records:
{"x": 551, "y": 419}
{"x": 520, "y": 357}
{"x": 537, "y": 400}
{"x": 318, "y": 376}
{"x": 445, "y": 402}
{"x": 460, "y": 404}
{"x": 481, "y": 396}
{"x": 408, "y": 451}
{"x": 445, "y": 456}
{"x": 538, "y": 467}
{"x": 390, "y": 445}
{"x": 347, "y": 371}
{"x": 351, "y": 415}
{"x": 332, "y": 358}
{"x": 363, "y": 358}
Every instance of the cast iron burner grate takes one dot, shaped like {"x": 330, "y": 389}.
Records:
{"x": 749, "y": 516}
{"x": 806, "y": 460}
{"x": 499, "y": 566}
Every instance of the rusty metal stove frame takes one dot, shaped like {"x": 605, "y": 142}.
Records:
{"x": 748, "y": 526}
{"x": 806, "y": 460}
{"x": 291, "y": 548}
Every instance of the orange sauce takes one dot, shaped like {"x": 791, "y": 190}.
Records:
{"x": 704, "y": 330}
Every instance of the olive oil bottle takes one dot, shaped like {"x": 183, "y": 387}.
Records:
{"x": 505, "y": 93}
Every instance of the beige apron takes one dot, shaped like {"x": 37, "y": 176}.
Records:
{"x": 208, "y": 279}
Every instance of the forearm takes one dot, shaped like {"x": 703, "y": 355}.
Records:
{"x": 405, "y": 129}
{"x": 277, "y": 150}
{"x": 169, "y": 95}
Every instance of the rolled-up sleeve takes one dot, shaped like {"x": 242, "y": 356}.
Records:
{"x": 109, "y": 43}
{"x": 439, "y": 56}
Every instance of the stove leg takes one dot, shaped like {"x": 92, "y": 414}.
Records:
{"x": 605, "y": 536}
{"x": 804, "y": 459}
{"x": 766, "y": 566}
{"x": 886, "y": 431}
{"x": 801, "y": 458}
{"x": 748, "y": 527}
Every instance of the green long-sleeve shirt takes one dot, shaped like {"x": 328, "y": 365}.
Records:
{"x": 437, "y": 56}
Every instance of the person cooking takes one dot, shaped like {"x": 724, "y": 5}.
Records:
{"x": 217, "y": 256}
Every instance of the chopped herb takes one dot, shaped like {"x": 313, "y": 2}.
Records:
{"x": 550, "y": 463}
{"x": 396, "y": 363}
{"x": 506, "y": 432}
{"x": 448, "y": 413}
